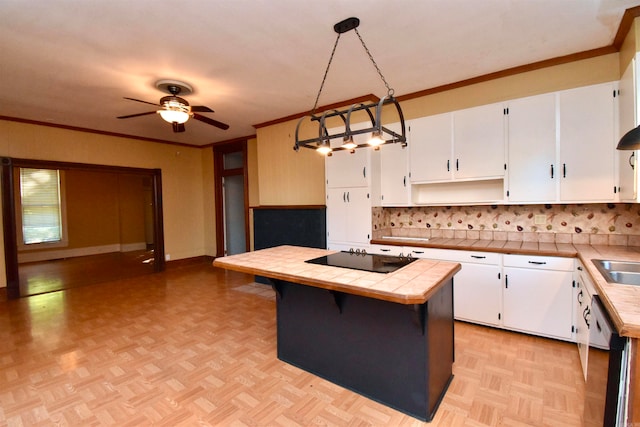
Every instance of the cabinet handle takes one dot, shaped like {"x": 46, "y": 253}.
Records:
{"x": 478, "y": 256}
{"x": 586, "y": 315}
{"x": 385, "y": 250}
{"x": 564, "y": 170}
{"x": 417, "y": 252}
{"x": 404, "y": 181}
{"x": 364, "y": 172}
{"x": 348, "y": 197}
{"x": 448, "y": 165}
{"x": 344, "y": 196}
{"x": 537, "y": 262}
{"x": 551, "y": 171}
{"x": 457, "y": 164}
{"x": 506, "y": 281}
{"x": 579, "y": 268}
{"x": 632, "y": 160}
{"x": 580, "y": 295}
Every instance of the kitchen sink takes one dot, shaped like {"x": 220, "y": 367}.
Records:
{"x": 623, "y": 272}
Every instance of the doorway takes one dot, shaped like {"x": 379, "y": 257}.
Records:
{"x": 112, "y": 227}
{"x": 232, "y": 199}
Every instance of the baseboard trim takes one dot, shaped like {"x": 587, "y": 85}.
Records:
{"x": 37, "y": 256}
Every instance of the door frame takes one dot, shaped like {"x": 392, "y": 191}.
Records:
{"x": 7, "y": 167}
{"x": 219, "y": 150}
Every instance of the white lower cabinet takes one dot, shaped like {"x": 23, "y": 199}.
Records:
{"x": 530, "y": 294}
{"x": 538, "y": 295}
{"x": 477, "y": 292}
{"x": 477, "y": 287}
{"x": 584, "y": 291}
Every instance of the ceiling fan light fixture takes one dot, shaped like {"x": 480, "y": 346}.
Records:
{"x": 174, "y": 110}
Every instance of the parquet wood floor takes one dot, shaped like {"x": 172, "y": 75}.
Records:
{"x": 196, "y": 346}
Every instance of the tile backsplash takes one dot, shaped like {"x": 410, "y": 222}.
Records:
{"x": 595, "y": 224}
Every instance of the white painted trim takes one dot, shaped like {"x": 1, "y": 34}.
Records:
{"x": 68, "y": 253}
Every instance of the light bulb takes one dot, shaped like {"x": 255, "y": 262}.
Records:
{"x": 376, "y": 138}
{"x": 348, "y": 143}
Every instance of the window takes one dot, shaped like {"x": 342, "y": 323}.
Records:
{"x": 41, "y": 214}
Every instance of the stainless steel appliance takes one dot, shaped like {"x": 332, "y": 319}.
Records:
{"x": 605, "y": 393}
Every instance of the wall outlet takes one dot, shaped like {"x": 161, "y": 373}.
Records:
{"x": 167, "y": 257}
{"x": 540, "y": 219}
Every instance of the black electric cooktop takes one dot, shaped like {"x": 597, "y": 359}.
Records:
{"x": 363, "y": 261}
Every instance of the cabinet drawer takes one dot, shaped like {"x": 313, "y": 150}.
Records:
{"x": 473, "y": 257}
{"x": 539, "y": 262}
{"x": 386, "y": 250}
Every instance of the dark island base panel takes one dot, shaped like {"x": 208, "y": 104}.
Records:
{"x": 398, "y": 355}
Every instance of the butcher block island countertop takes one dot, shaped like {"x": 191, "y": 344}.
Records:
{"x": 414, "y": 283}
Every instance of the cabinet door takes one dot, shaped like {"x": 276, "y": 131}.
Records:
{"x": 430, "y": 148}
{"x": 538, "y": 301}
{"x": 345, "y": 169}
{"x": 476, "y": 294}
{"x": 627, "y": 187}
{"x": 478, "y": 142}
{"x": 337, "y": 214}
{"x": 587, "y": 144}
{"x": 394, "y": 183}
{"x": 358, "y": 215}
{"x": 532, "y": 166}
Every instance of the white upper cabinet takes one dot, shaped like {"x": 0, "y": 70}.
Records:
{"x": 587, "y": 144}
{"x": 532, "y": 167}
{"x": 627, "y": 184}
{"x": 430, "y": 145}
{"x": 394, "y": 172}
{"x": 479, "y": 142}
{"x": 346, "y": 169}
{"x": 462, "y": 145}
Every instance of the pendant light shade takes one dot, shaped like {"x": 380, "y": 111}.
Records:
{"x": 630, "y": 140}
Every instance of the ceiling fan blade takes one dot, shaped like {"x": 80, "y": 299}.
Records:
{"x": 178, "y": 127}
{"x": 211, "y": 122}
{"x": 136, "y": 115}
{"x": 201, "y": 109}
{"x": 144, "y": 102}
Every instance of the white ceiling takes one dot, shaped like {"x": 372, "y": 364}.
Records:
{"x": 71, "y": 62}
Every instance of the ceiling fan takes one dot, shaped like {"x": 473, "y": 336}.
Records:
{"x": 176, "y": 110}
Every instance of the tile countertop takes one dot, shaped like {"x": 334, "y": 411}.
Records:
{"x": 621, "y": 301}
{"x": 411, "y": 284}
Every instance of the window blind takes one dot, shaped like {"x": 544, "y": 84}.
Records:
{"x": 40, "y": 202}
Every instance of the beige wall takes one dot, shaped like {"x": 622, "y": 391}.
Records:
{"x": 287, "y": 177}
{"x": 183, "y": 175}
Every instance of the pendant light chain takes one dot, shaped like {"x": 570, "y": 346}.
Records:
{"x": 315, "y": 105}
{"x": 390, "y": 91}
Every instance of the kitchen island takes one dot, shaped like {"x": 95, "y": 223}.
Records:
{"x": 387, "y": 336}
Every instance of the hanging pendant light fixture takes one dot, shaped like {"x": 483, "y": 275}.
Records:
{"x": 630, "y": 140}
{"x": 379, "y": 133}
